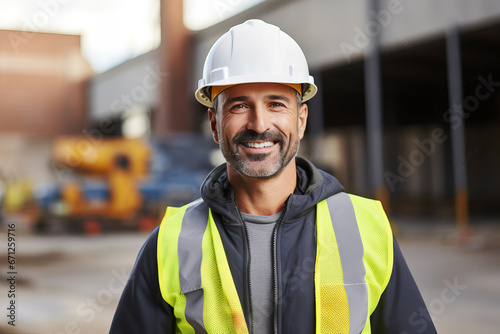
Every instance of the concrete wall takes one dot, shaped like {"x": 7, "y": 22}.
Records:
{"x": 135, "y": 82}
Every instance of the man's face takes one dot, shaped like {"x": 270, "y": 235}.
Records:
{"x": 258, "y": 127}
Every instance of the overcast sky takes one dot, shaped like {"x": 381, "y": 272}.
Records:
{"x": 112, "y": 30}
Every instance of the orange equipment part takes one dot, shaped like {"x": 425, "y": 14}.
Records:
{"x": 122, "y": 162}
{"x": 97, "y": 157}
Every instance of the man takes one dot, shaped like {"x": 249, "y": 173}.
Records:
{"x": 274, "y": 245}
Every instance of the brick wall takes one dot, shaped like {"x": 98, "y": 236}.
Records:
{"x": 42, "y": 83}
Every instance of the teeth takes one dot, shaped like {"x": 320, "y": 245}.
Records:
{"x": 259, "y": 145}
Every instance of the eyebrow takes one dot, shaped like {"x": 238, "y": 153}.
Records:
{"x": 235, "y": 99}
{"x": 278, "y": 97}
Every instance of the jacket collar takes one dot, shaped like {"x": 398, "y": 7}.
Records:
{"x": 313, "y": 186}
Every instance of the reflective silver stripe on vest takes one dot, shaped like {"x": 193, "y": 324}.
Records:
{"x": 351, "y": 255}
{"x": 190, "y": 255}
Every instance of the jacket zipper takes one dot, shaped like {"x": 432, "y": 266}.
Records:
{"x": 275, "y": 271}
{"x": 247, "y": 270}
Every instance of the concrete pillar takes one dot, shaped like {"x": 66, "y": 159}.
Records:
{"x": 457, "y": 129}
{"x": 373, "y": 102}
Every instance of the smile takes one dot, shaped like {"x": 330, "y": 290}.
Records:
{"x": 258, "y": 145}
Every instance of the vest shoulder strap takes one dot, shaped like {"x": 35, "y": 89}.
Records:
{"x": 377, "y": 239}
{"x": 194, "y": 274}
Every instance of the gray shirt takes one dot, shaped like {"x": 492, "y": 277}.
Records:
{"x": 260, "y": 233}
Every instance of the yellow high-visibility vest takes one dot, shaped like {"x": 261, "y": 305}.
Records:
{"x": 354, "y": 259}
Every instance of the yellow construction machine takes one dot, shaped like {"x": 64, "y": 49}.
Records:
{"x": 115, "y": 166}
{"x": 122, "y": 162}
{"x": 120, "y": 183}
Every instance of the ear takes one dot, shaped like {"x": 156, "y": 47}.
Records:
{"x": 212, "y": 116}
{"x": 303, "y": 113}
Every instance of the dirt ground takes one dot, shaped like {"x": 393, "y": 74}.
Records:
{"x": 72, "y": 284}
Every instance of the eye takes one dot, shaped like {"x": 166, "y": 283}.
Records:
{"x": 276, "y": 105}
{"x": 238, "y": 107}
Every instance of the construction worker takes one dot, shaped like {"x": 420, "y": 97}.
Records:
{"x": 274, "y": 245}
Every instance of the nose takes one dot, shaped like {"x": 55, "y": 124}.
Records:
{"x": 259, "y": 119}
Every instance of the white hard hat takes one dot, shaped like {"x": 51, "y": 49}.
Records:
{"x": 254, "y": 51}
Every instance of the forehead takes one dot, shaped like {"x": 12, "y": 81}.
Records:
{"x": 258, "y": 90}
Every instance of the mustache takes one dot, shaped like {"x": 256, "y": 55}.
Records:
{"x": 251, "y": 135}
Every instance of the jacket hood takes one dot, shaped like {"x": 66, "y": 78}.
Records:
{"x": 313, "y": 186}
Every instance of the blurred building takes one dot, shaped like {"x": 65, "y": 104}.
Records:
{"x": 123, "y": 91}
{"x": 42, "y": 83}
{"x": 42, "y": 95}
{"x": 417, "y": 153}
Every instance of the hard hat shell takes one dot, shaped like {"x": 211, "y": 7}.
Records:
{"x": 254, "y": 51}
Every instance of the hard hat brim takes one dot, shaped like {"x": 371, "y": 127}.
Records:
{"x": 203, "y": 94}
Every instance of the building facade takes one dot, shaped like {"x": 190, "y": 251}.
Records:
{"x": 42, "y": 95}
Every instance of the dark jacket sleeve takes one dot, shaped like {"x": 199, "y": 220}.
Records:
{"x": 401, "y": 308}
{"x": 141, "y": 308}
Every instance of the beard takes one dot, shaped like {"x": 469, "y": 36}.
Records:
{"x": 259, "y": 166}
